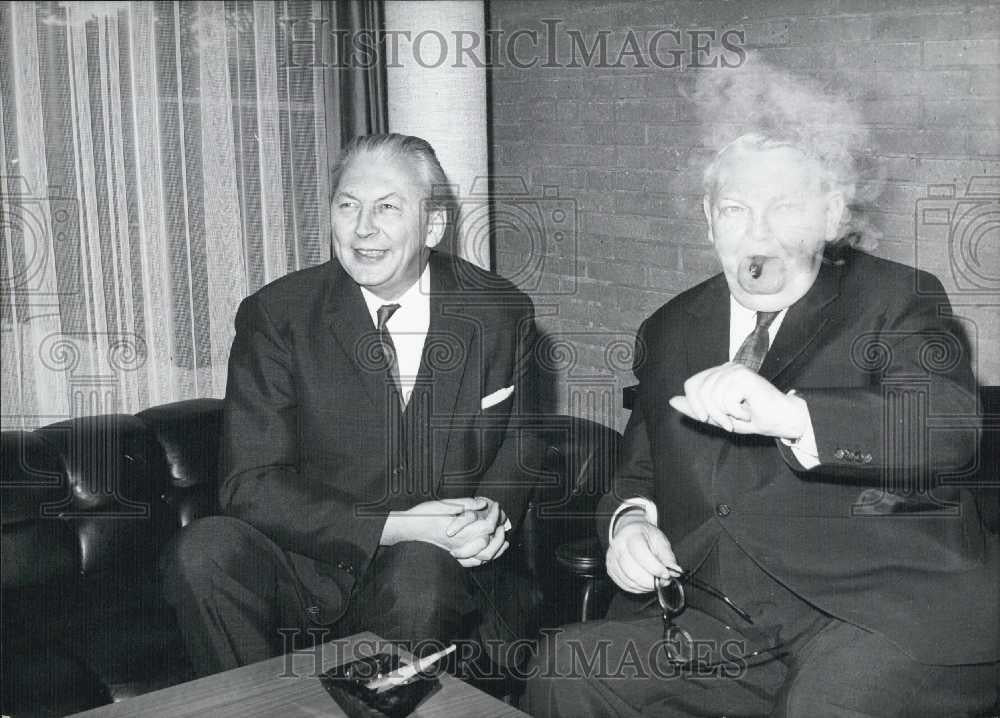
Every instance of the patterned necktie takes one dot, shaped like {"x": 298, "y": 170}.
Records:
{"x": 389, "y": 349}
{"x": 751, "y": 353}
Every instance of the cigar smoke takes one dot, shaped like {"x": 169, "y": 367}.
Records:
{"x": 779, "y": 108}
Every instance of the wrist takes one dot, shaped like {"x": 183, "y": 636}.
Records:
{"x": 391, "y": 530}
{"x": 628, "y": 518}
{"x": 799, "y": 418}
{"x": 640, "y": 504}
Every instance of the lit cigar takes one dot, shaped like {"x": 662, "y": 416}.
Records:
{"x": 405, "y": 673}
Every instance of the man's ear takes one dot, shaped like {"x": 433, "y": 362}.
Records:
{"x": 437, "y": 223}
{"x": 706, "y": 206}
{"x": 835, "y": 207}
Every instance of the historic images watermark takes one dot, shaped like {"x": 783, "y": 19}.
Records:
{"x": 535, "y": 229}
{"x": 306, "y": 652}
{"x": 316, "y": 43}
{"x": 34, "y": 220}
{"x": 104, "y": 464}
{"x": 956, "y": 228}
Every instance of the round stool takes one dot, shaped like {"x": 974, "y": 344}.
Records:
{"x": 584, "y": 558}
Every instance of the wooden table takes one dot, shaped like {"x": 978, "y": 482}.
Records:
{"x": 289, "y": 686}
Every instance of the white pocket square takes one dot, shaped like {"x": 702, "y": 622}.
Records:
{"x": 496, "y": 397}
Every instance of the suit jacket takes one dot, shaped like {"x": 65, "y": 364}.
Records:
{"x": 316, "y": 451}
{"x": 882, "y": 534}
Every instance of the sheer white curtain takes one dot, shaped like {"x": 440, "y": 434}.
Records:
{"x": 159, "y": 162}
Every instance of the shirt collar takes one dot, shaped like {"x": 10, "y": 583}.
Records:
{"x": 739, "y": 313}
{"x": 416, "y": 297}
{"x": 742, "y": 321}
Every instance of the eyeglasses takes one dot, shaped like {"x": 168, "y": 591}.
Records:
{"x": 681, "y": 649}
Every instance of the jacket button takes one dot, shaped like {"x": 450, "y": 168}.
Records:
{"x": 723, "y": 509}
{"x": 838, "y": 454}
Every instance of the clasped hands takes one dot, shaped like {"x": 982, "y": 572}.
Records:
{"x": 472, "y": 529}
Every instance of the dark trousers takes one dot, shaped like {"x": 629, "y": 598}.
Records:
{"x": 822, "y": 666}
{"x": 238, "y": 600}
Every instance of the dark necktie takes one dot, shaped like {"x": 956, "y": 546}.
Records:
{"x": 751, "y": 353}
{"x": 389, "y": 349}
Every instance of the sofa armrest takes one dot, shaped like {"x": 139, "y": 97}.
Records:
{"x": 577, "y": 466}
{"x": 37, "y": 549}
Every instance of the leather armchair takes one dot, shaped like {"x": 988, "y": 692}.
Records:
{"x": 87, "y": 504}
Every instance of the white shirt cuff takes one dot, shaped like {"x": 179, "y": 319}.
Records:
{"x": 804, "y": 448}
{"x": 637, "y": 502}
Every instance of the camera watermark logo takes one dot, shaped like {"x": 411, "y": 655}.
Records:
{"x": 968, "y": 226}
{"x": 534, "y": 231}
{"x": 33, "y": 222}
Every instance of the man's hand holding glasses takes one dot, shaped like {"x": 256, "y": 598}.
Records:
{"x": 640, "y": 560}
{"x": 639, "y": 554}
{"x": 685, "y": 652}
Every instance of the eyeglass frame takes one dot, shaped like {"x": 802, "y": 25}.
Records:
{"x": 671, "y": 631}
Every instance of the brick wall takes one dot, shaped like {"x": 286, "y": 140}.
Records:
{"x": 615, "y": 144}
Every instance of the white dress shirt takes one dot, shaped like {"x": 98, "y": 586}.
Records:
{"x": 407, "y": 326}
{"x": 742, "y": 322}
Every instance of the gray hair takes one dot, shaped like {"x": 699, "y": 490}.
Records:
{"x": 415, "y": 150}
{"x": 835, "y": 163}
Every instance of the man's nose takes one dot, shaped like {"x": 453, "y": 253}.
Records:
{"x": 761, "y": 227}
{"x": 366, "y": 224}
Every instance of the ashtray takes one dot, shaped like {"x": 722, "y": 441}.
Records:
{"x": 347, "y": 685}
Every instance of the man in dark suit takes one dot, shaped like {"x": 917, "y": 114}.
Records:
{"x": 371, "y": 467}
{"x": 782, "y": 492}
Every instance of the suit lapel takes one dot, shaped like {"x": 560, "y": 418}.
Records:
{"x": 351, "y": 325}
{"x": 803, "y": 322}
{"x": 707, "y": 339}
{"x": 451, "y": 334}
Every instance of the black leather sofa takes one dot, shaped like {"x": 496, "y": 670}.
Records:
{"x": 87, "y": 505}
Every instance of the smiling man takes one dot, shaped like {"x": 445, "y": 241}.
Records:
{"x": 370, "y": 471}
{"x": 782, "y": 494}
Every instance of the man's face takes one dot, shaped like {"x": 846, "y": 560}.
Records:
{"x": 769, "y": 220}
{"x": 381, "y": 230}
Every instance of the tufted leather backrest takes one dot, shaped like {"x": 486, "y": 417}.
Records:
{"x": 34, "y": 550}
{"x": 114, "y": 475}
{"x": 189, "y": 433}
{"x": 104, "y": 492}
